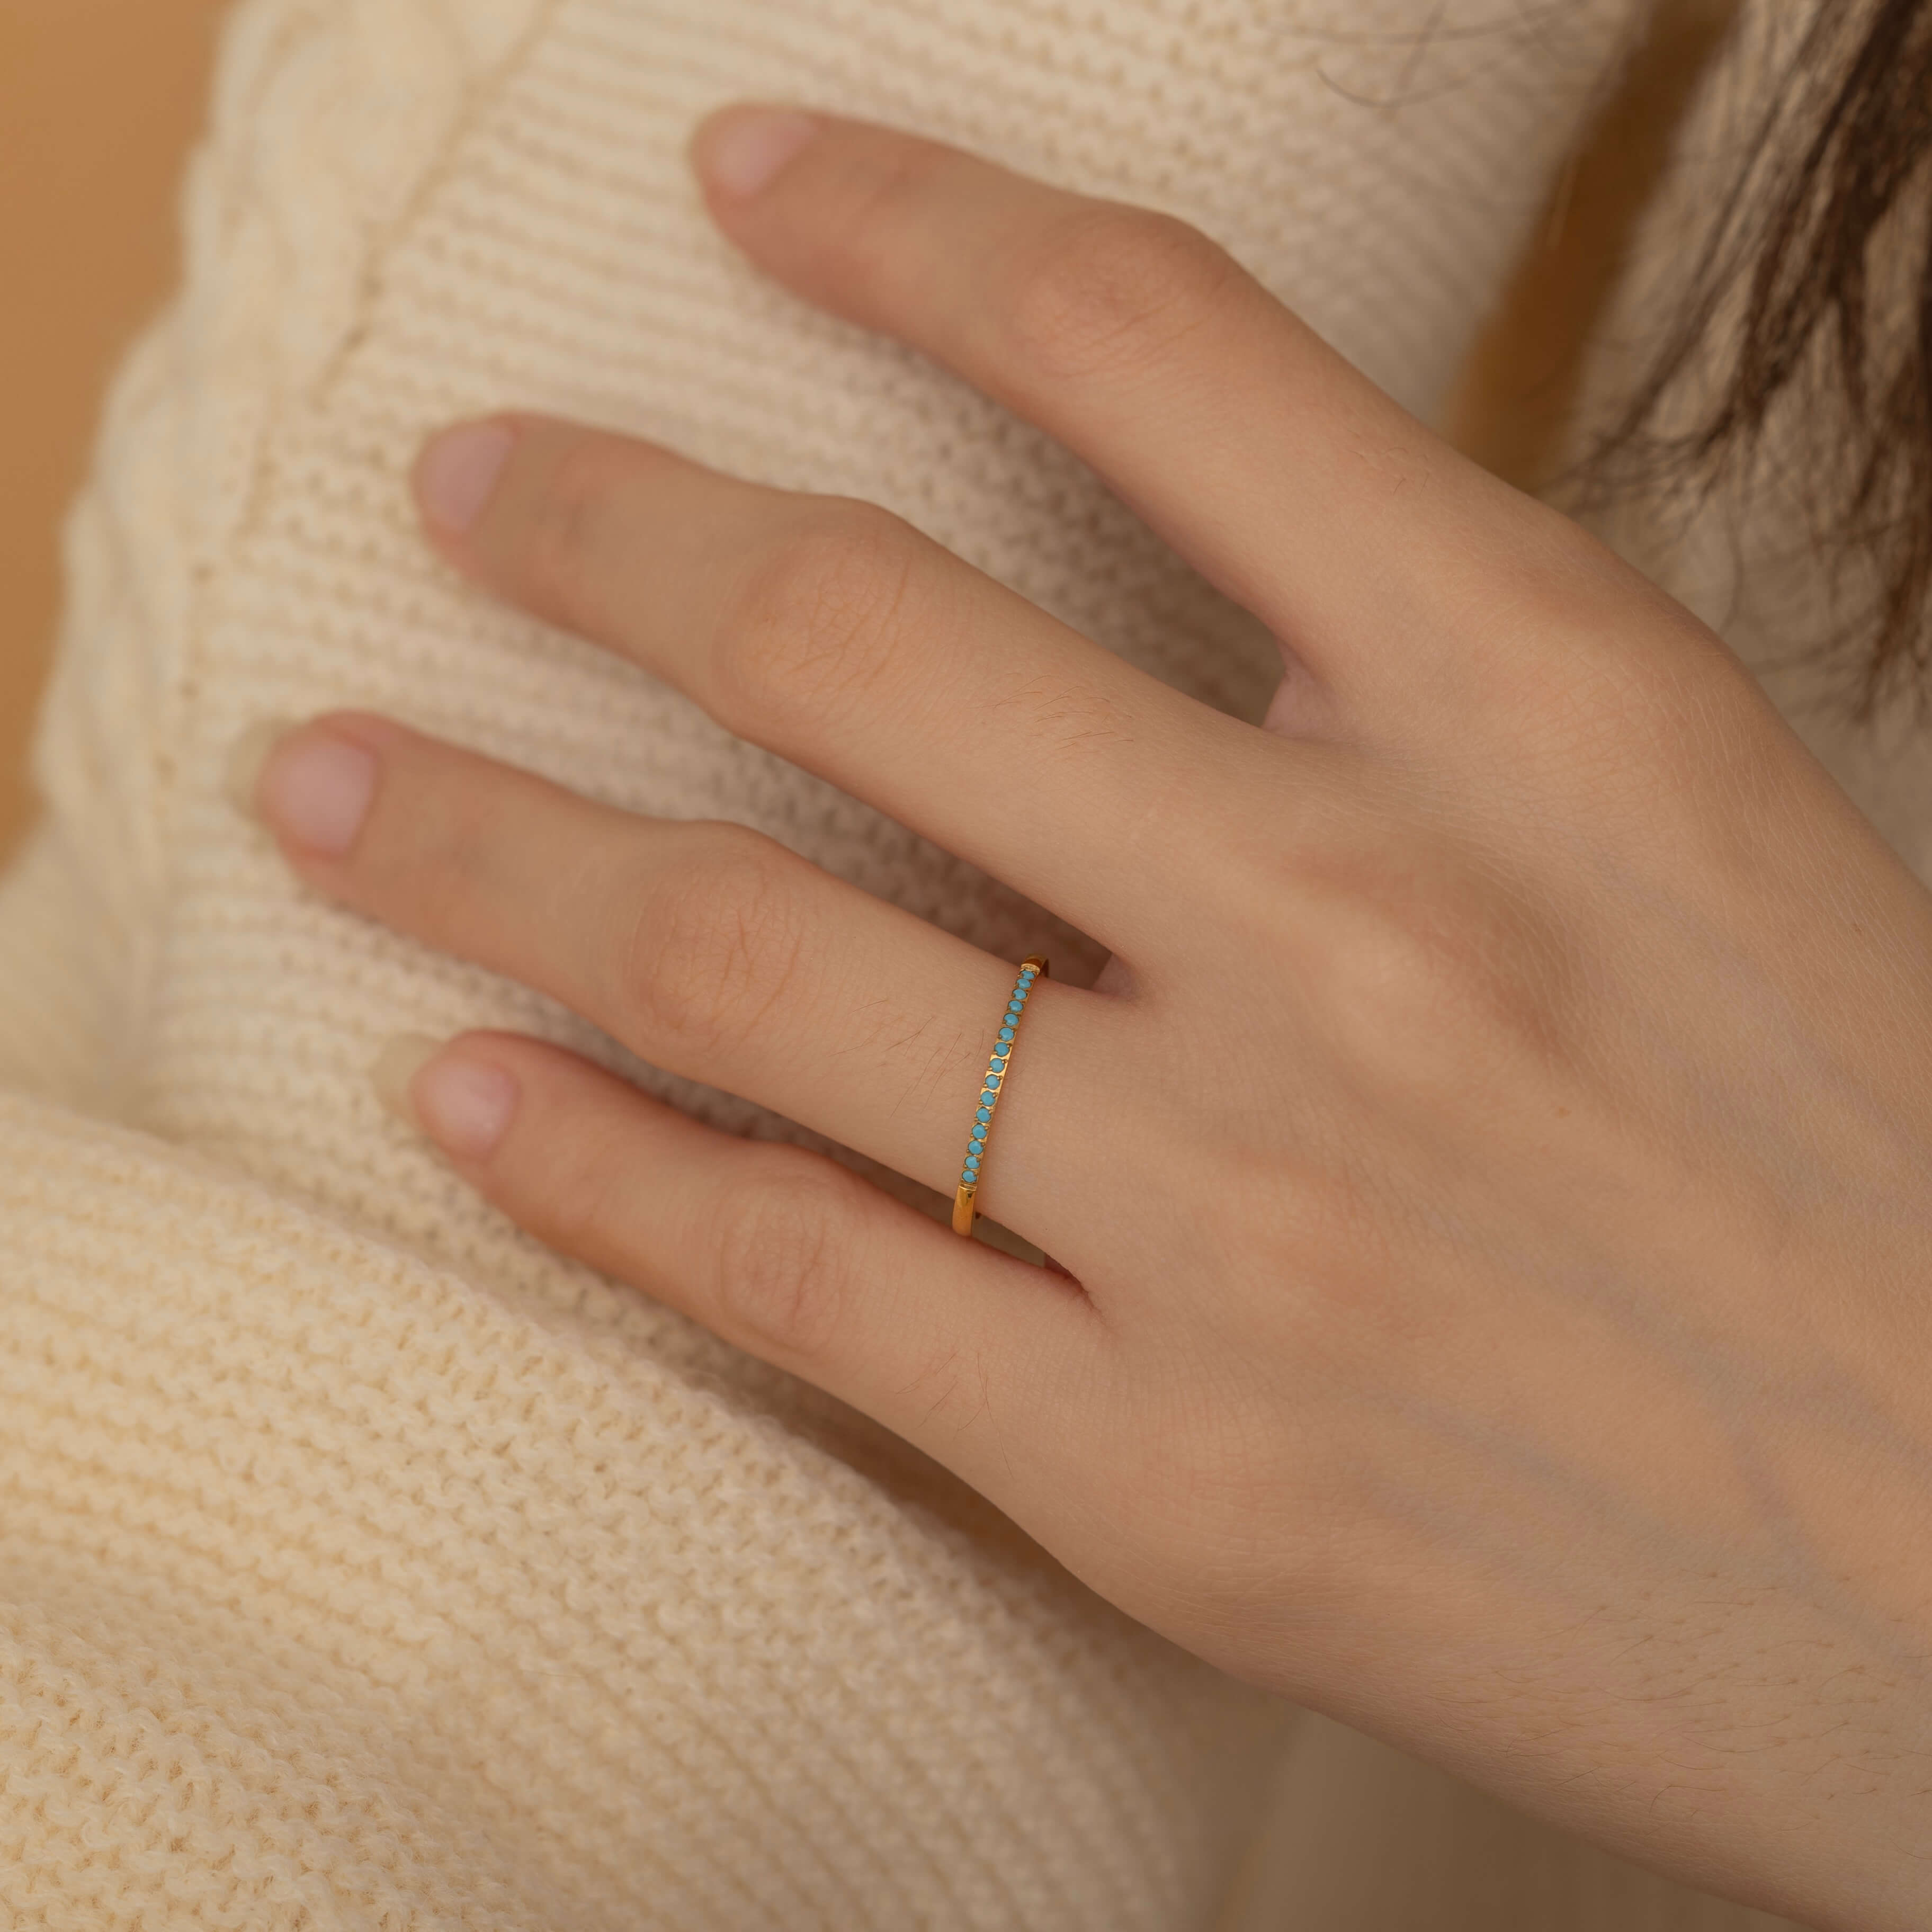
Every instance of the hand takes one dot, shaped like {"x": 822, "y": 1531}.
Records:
{"x": 1495, "y": 1170}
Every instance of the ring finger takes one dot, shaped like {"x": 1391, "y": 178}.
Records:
{"x": 706, "y": 948}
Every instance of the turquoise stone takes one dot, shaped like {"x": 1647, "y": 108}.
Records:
{"x": 984, "y": 1114}
{"x": 1006, "y": 1033}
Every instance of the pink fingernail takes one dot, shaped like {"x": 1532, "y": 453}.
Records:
{"x": 316, "y": 790}
{"x": 741, "y": 154}
{"x": 459, "y": 472}
{"x": 463, "y": 1106}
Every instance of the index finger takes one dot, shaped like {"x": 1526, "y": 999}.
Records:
{"x": 1279, "y": 469}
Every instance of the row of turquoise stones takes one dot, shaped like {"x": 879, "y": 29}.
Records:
{"x": 996, "y": 1071}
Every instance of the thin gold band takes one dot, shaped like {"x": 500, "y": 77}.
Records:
{"x": 1032, "y": 968}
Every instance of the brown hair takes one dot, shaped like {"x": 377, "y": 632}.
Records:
{"x": 1825, "y": 245}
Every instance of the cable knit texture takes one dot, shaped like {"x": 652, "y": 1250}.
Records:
{"x": 361, "y": 1563}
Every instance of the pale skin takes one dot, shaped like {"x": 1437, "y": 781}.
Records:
{"x": 1493, "y": 1174}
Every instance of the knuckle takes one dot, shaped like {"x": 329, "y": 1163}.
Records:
{"x": 1390, "y": 980}
{"x": 781, "y": 1256}
{"x": 715, "y": 942}
{"x": 568, "y": 534}
{"x": 813, "y": 625}
{"x": 1423, "y": 987}
{"x": 1109, "y": 289}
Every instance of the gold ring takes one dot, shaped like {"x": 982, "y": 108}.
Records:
{"x": 963, "y": 1208}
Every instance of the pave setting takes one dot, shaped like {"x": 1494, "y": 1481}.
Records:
{"x": 964, "y": 1207}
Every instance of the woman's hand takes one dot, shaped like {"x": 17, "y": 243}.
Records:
{"x": 1495, "y": 1170}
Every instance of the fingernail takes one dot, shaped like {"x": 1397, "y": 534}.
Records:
{"x": 741, "y": 153}
{"x": 250, "y": 753}
{"x": 463, "y": 1105}
{"x": 458, "y": 473}
{"x": 316, "y": 790}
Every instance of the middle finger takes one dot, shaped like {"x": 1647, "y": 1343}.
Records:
{"x": 832, "y": 633}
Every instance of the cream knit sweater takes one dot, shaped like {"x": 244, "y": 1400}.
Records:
{"x": 361, "y": 1563}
